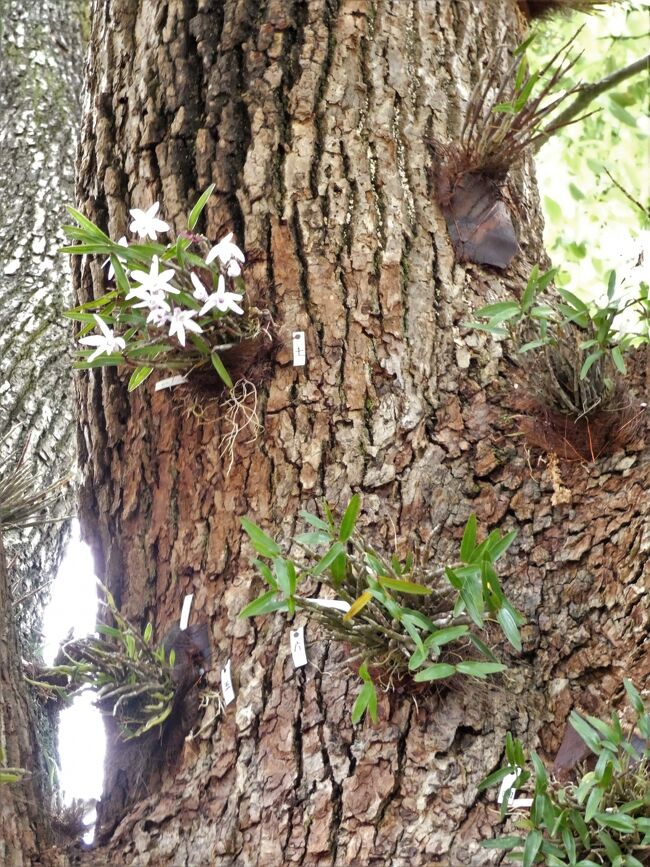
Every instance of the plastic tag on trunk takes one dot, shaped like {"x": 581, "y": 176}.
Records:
{"x": 226, "y": 684}
{"x": 185, "y": 611}
{"x": 299, "y": 349}
{"x": 298, "y": 651}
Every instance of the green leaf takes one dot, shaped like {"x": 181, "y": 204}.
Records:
{"x": 509, "y": 627}
{"x": 468, "y": 542}
{"x": 196, "y": 211}
{"x": 569, "y": 843}
{"x": 579, "y": 824}
{"x": 262, "y": 543}
{"x": 314, "y": 521}
{"x": 502, "y": 843}
{"x": 611, "y": 847}
{"x": 281, "y": 572}
{"x": 593, "y": 802}
{"x": 326, "y": 561}
{"x": 312, "y": 538}
{"x": 264, "y": 604}
{"x": 401, "y": 586}
{"x": 138, "y": 377}
{"x": 586, "y": 732}
{"x": 499, "y": 548}
{"x": 590, "y": 360}
{"x": 148, "y": 631}
{"x": 635, "y": 699}
{"x": 531, "y": 848}
{"x": 482, "y": 647}
{"x": 499, "y": 312}
{"x": 350, "y": 518}
{"x": 444, "y": 636}
{"x": 617, "y": 821}
{"x": 218, "y": 365}
{"x": 365, "y": 701}
{"x": 474, "y": 668}
{"x": 494, "y": 778}
{"x": 617, "y": 358}
{"x": 435, "y": 672}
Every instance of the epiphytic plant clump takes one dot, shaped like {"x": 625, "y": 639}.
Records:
{"x": 601, "y": 816}
{"x": 172, "y": 307}
{"x": 576, "y": 403}
{"x": 404, "y": 620}
{"x": 507, "y": 114}
{"x": 136, "y": 682}
{"x": 20, "y": 504}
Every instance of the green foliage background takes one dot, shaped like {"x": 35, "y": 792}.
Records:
{"x": 591, "y": 226}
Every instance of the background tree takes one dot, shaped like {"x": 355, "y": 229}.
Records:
{"x": 40, "y": 82}
{"x": 313, "y": 121}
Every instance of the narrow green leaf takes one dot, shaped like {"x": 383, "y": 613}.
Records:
{"x": 326, "y": 561}
{"x": 312, "y": 538}
{"x": 474, "y": 668}
{"x": 350, "y": 518}
{"x": 468, "y": 542}
{"x": 402, "y": 586}
{"x": 590, "y": 360}
{"x": 218, "y": 365}
{"x": 264, "y": 604}
{"x": 502, "y": 843}
{"x": 635, "y": 699}
{"x": 314, "y": 521}
{"x": 494, "y": 778}
{"x": 509, "y": 628}
{"x": 617, "y": 821}
{"x": 444, "y": 636}
{"x": 617, "y": 357}
{"x": 435, "y": 672}
{"x": 262, "y": 543}
{"x": 196, "y": 211}
{"x": 138, "y": 377}
{"x": 531, "y": 848}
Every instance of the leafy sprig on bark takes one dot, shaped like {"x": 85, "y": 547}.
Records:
{"x": 403, "y": 619}
{"x": 601, "y": 817}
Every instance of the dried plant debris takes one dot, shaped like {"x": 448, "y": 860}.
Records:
{"x": 545, "y": 8}
{"x": 507, "y": 114}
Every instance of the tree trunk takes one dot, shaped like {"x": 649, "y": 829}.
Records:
{"x": 40, "y": 81}
{"x": 312, "y": 119}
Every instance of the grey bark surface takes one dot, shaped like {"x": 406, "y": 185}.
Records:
{"x": 312, "y": 121}
{"x": 41, "y": 64}
{"x": 41, "y": 61}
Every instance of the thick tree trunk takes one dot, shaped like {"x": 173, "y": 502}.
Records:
{"x": 313, "y": 119}
{"x": 41, "y": 61}
{"x": 40, "y": 81}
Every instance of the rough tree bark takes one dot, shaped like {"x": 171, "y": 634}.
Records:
{"x": 40, "y": 82}
{"x": 312, "y": 120}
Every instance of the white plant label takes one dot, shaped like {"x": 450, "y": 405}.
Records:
{"x": 170, "y": 382}
{"x": 226, "y": 684}
{"x": 299, "y": 349}
{"x": 185, "y": 611}
{"x": 298, "y": 652}
{"x": 505, "y": 785}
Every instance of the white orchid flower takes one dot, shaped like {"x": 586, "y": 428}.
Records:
{"x": 146, "y": 224}
{"x": 104, "y": 343}
{"x": 181, "y": 321}
{"x": 222, "y": 300}
{"x": 228, "y": 254}
{"x": 200, "y": 292}
{"x": 111, "y": 271}
{"x": 159, "y": 316}
{"x": 153, "y": 282}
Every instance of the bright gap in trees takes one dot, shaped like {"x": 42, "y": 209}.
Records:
{"x": 72, "y": 612}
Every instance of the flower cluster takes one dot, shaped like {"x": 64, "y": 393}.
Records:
{"x": 172, "y": 305}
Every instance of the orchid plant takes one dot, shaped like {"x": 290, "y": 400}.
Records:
{"x": 172, "y": 307}
{"x": 403, "y": 620}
